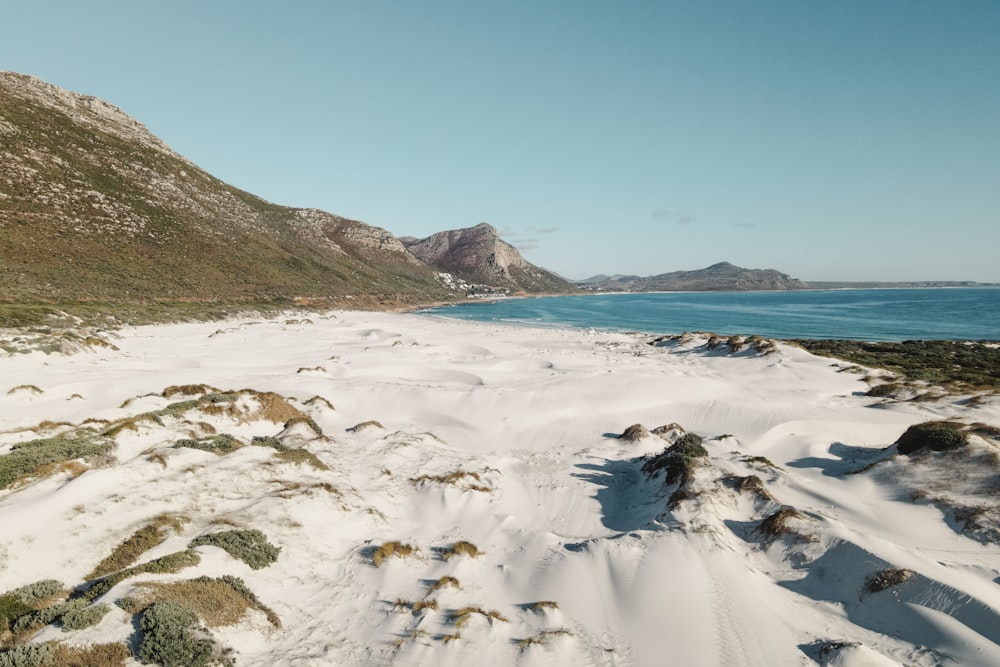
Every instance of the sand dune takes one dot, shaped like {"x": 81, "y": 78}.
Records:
{"x": 370, "y": 447}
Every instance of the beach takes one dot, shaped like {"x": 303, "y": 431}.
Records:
{"x": 426, "y": 433}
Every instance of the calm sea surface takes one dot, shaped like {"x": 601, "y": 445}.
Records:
{"x": 863, "y": 314}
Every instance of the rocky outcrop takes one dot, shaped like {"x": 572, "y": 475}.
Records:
{"x": 721, "y": 277}
{"x": 478, "y": 255}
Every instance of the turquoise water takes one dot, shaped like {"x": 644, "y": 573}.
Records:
{"x": 868, "y": 314}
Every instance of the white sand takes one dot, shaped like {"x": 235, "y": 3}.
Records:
{"x": 563, "y": 512}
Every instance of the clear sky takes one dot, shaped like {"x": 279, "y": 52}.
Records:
{"x": 848, "y": 139}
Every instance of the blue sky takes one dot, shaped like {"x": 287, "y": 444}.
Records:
{"x": 855, "y": 140}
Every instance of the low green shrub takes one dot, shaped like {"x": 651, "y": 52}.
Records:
{"x": 38, "y": 590}
{"x": 268, "y": 441}
{"x": 29, "y": 655}
{"x": 223, "y": 443}
{"x": 28, "y": 458}
{"x": 46, "y": 615}
{"x": 170, "y": 637}
{"x": 12, "y": 607}
{"x": 678, "y": 459}
{"x": 935, "y": 435}
{"x": 249, "y": 546}
{"x": 78, "y": 619}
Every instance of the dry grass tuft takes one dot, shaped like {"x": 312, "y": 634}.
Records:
{"x": 778, "y": 524}
{"x": 541, "y": 639}
{"x": 634, "y": 433}
{"x": 357, "y": 428}
{"x": 459, "y": 478}
{"x": 188, "y": 390}
{"x": 453, "y": 637}
{"x": 444, "y": 582}
{"x": 157, "y": 457}
{"x": 889, "y": 578}
{"x": 290, "y": 489}
{"x": 301, "y": 456}
{"x": 30, "y": 388}
{"x": 218, "y": 602}
{"x": 754, "y": 486}
{"x": 319, "y": 400}
{"x": 542, "y": 605}
{"x": 308, "y": 421}
{"x": 461, "y": 548}
{"x": 392, "y": 549}
{"x": 415, "y": 606}
{"x": 125, "y": 554}
{"x": 275, "y": 408}
{"x": 95, "y": 655}
{"x": 460, "y": 617}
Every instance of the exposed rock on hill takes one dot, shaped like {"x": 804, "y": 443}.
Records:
{"x": 716, "y": 278}
{"x": 93, "y": 206}
{"x": 479, "y": 255}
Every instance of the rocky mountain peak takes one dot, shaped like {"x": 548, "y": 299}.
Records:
{"x": 85, "y": 110}
{"x": 478, "y": 255}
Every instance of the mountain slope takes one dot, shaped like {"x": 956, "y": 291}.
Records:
{"x": 479, "y": 255}
{"x": 93, "y": 206}
{"x": 718, "y": 277}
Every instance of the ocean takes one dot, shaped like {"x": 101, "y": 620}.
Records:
{"x": 856, "y": 314}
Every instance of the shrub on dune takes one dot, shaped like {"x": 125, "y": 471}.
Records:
{"x": 934, "y": 435}
{"x": 249, "y": 546}
{"x": 678, "y": 459}
{"x": 170, "y": 637}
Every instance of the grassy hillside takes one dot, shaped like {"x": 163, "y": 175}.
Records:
{"x": 92, "y": 214}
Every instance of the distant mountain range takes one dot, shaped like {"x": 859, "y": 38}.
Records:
{"x": 93, "y": 207}
{"x": 716, "y": 278}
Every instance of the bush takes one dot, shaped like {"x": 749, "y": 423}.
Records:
{"x": 935, "y": 435}
{"x": 31, "y": 655}
{"x": 37, "y": 591}
{"x": 634, "y": 433}
{"x": 222, "y": 443}
{"x": 269, "y": 441}
{"x": 46, "y": 615}
{"x": 78, "y": 619}
{"x": 169, "y": 637}
{"x": 678, "y": 459}
{"x": 28, "y": 458}
{"x": 250, "y": 546}
{"x": 11, "y": 607}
